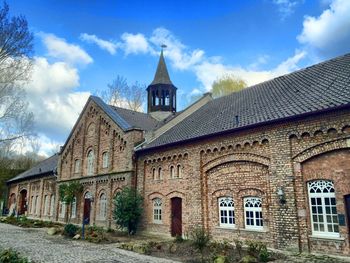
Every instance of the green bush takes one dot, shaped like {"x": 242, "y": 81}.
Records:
{"x": 70, "y": 230}
{"x": 128, "y": 209}
{"x": 258, "y": 250}
{"x": 200, "y": 239}
{"x": 11, "y": 256}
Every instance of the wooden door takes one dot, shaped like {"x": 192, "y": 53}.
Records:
{"x": 347, "y": 205}
{"x": 176, "y": 216}
{"x": 87, "y": 208}
{"x": 23, "y": 202}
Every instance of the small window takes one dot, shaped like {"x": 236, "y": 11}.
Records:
{"x": 103, "y": 207}
{"x": 157, "y": 210}
{"x": 253, "y": 213}
{"x": 160, "y": 174}
{"x": 323, "y": 208}
{"x": 32, "y": 210}
{"x": 226, "y": 212}
{"x": 77, "y": 166}
{"x": 154, "y": 175}
{"x": 74, "y": 208}
{"x": 62, "y": 208}
{"x": 90, "y": 163}
{"x": 105, "y": 160}
{"x": 179, "y": 171}
{"x": 172, "y": 172}
{"x": 37, "y": 207}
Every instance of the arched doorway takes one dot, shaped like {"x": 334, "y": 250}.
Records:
{"x": 87, "y": 207}
{"x": 22, "y": 202}
{"x": 176, "y": 216}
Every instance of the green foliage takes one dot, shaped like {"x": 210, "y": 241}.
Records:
{"x": 226, "y": 85}
{"x": 258, "y": 249}
{"x": 11, "y": 256}
{"x": 128, "y": 209}
{"x": 68, "y": 191}
{"x": 70, "y": 230}
{"x": 200, "y": 239}
{"x": 95, "y": 234}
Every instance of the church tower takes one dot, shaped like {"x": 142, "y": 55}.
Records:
{"x": 161, "y": 92}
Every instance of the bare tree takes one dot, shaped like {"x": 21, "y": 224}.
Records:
{"x": 120, "y": 94}
{"x": 16, "y": 50}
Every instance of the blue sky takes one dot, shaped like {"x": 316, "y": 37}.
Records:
{"x": 81, "y": 46}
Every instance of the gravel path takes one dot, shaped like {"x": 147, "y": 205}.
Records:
{"x": 35, "y": 244}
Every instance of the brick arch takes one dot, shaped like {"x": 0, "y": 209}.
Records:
{"x": 250, "y": 192}
{"x": 153, "y": 195}
{"x": 175, "y": 194}
{"x": 320, "y": 149}
{"x": 250, "y": 157}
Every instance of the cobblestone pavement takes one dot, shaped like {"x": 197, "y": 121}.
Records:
{"x": 40, "y": 247}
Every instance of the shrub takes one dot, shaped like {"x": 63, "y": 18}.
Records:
{"x": 200, "y": 239}
{"x": 128, "y": 209}
{"x": 258, "y": 250}
{"x": 70, "y": 230}
{"x": 11, "y": 256}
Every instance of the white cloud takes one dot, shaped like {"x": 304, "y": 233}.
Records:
{"x": 177, "y": 52}
{"x": 53, "y": 100}
{"x": 59, "y": 48}
{"x": 134, "y": 43}
{"x": 285, "y": 7}
{"x": 329, "y": 34}
{"x": 103, "y": 44}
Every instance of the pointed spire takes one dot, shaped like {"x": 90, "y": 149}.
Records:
{"x": 162, "y": 75}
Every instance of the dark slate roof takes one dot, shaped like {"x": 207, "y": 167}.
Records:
{"x": 162, "y": 75}
{"x": 136, "y": 119}
{"x": 324, "y": 86}
{"x": 45, "y": 167}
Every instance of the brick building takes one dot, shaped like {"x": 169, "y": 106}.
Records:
{"x": 270, "y": 162}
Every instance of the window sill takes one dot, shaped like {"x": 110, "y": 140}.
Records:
{"x": 157, "y": 223}
{"x": 330, "y": 238}
{"x": 254, "y": 230}
{"x": 226, "y": 227}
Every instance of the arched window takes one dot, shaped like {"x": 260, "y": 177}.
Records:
{"x": 90, "y": 163}
{"x": 157, "y": 210}
{"x": 36, "y": 205}
{"x": 74, "y": 207}
{"x": 172, "y": 172}
{"x": 52, "y": 205}
{"x": 32, "y": 210}
{"x": 160, "y": 174}
{"x": 226, "y": 212}
{"x": 77, "y": 166}
{"x": 103, "y": 207}
{"x": 154, "y": 175}
{"x": 46, "y": 205}
{"x": 323, "y": 208}
{"x": 105, "y": 160}
{"x": 62, "y": 208}
{"x": 253, "y": 213}
{"x": 179, "y": 171}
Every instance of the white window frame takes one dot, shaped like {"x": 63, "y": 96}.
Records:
{"x": 157, "y": 210}
{"x": 226, "y": 212}
{"x": 105, "y": 159}
{"x": 74, "y": 208}
{"x": 103, "y": 207}
{"x": 253, "y": 205}
{"x": 37, "y": 208}
{"x": 320, "y": 191}
{"x": 77, "y": 166}
{"x": 62, "y": 206}
{"x": 90, "y": 162}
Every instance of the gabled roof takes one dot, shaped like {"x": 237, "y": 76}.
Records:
{"x": 162, "y": 75}
{"x": 46, "y": 167}
{"x": 322, "y": 87}
{"x": 137, "y": 119}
